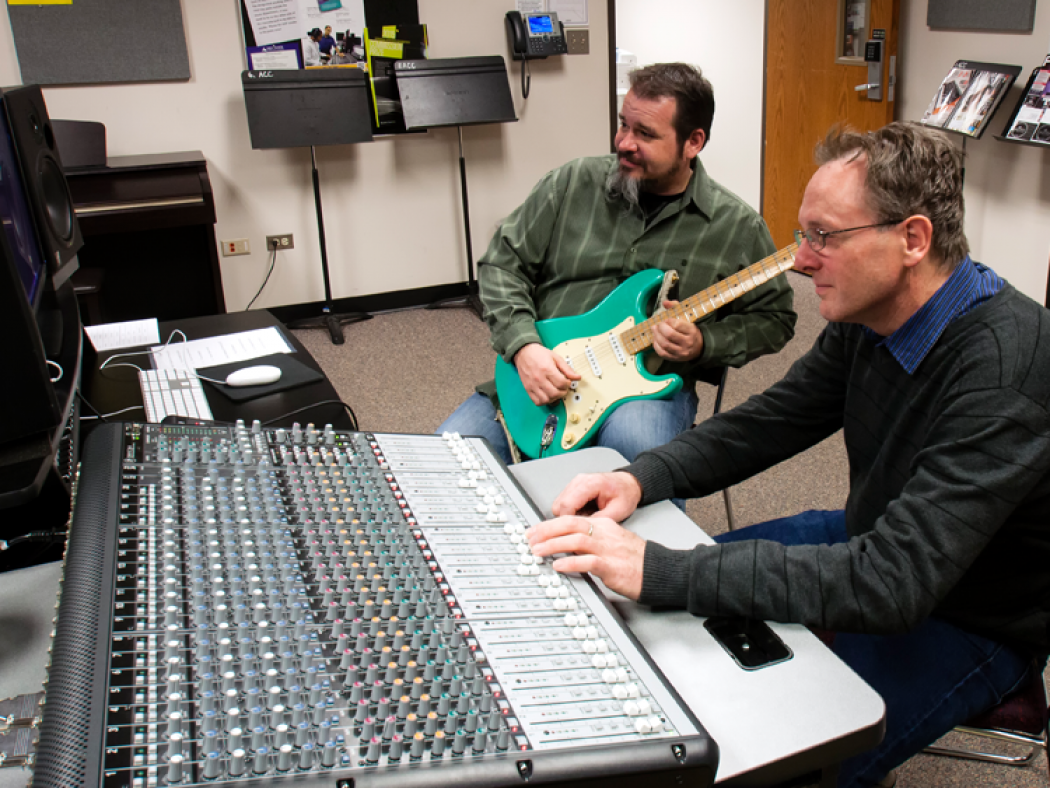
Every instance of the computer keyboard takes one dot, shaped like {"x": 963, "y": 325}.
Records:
{"x": 172, "y": 392}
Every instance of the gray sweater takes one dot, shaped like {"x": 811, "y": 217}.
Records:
{"x": 949, "y": 503}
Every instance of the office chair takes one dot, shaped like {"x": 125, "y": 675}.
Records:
{"x": 717, "y": 377}
{"x": 1021, "y": 718}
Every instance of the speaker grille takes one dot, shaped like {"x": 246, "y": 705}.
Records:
{"x": 57, "y": 200}
{"x": 74, "y": 704}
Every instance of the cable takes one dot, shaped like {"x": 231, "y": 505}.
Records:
{"x": 105, "y": 416}
{"x": 353, "y": 416}
{"x": 57, "y": 366}
{"x": 525, "y": 85}
{"x": 94, "y": 410}
{"x": 36, "y": 536}
{"x": 273, "y": 262}
{"x": 149, "y": 351}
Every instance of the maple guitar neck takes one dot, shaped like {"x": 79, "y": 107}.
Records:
{"x": 640, "y": 337}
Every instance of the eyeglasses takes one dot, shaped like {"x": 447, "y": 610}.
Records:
{"x": 818, "y": 239}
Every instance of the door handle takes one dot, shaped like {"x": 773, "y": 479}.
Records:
{"x": 867, "y": 86}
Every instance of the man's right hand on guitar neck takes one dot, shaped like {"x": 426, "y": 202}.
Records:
{"x": 546, "y": 377}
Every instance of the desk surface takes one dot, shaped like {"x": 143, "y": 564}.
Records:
{"x": 114, "y": 388}
{"x": 770, "y": 724}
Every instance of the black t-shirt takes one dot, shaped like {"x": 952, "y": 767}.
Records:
{"x": 651, "y": 204}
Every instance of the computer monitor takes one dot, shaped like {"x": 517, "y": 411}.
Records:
{"x": 25, "y": 252}
{"x": 298, "y": 109}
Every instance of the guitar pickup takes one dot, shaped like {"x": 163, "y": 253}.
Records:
{"x": 617, "y": 349}
{"x": 574, "y": 384}
{"x": 592, "y": 359}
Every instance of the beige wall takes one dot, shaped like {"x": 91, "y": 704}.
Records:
{"x": 392, "y": 207}
{"x": 726, "y": 41}
{"x": 1007, "y": 186}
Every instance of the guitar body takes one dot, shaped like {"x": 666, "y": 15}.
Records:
{"x": 610, "y": 376}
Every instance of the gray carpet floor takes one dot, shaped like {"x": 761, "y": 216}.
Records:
{"x": 406, "y": 371}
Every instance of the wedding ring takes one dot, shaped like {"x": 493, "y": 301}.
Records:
{"x": 590, "y": 531}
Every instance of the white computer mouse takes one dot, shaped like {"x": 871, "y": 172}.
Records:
{"x": 254, "y": 376}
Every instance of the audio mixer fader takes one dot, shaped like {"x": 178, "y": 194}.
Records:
{"x": 250, "y": 606}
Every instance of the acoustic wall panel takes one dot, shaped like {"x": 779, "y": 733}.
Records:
{"x": 93, "y": 41}
{"x": 1017, "y": 15}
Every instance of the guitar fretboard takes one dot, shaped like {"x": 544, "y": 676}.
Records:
{"x": 640, "y": 337}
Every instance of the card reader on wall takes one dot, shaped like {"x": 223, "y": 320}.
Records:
{"x": 873, "y": 57}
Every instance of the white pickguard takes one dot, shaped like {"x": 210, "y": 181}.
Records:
{"x": 593, "y": 395}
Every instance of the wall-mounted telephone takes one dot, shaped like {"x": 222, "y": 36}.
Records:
{"x": 535, "y": 36}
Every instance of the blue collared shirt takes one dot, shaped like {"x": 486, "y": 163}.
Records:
{"x": 969, "y": 285}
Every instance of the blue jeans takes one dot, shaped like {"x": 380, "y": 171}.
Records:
{"x": 630, "y": 429}
{"x": 933, "y": 678}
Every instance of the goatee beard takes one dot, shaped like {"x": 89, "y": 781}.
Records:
{"x": 621, "y": 186}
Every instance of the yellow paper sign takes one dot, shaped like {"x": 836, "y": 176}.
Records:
{"x": 390, "y": 31}
{"x": 40, "y": 2}
{"x": 377, "y": 47}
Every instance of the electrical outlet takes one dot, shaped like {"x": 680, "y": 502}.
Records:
{"x": 235, "y": 246}
{"x": 280, "y": 242}
{"x": 578, "y": 41}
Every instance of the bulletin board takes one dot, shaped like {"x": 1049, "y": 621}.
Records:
{"x": 95, "y": 41}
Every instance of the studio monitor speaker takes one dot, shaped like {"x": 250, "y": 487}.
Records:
{"x": 45, "y": 183}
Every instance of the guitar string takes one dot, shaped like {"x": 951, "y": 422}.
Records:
{"x": 605, "y": 351}
{"x": 643, "y": 330}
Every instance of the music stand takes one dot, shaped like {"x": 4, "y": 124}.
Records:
{"x": 298, "y": 109}
{"x": 461, "y": 91}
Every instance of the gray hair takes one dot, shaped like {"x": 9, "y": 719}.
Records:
{"x": 911, "y": 170}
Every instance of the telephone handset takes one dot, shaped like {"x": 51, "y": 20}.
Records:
{"x": 535, "y": 36}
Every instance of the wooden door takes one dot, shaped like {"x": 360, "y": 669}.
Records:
{"x": 807, "y": 92}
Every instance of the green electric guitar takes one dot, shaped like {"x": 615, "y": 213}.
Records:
{"x": 605, "y": 346}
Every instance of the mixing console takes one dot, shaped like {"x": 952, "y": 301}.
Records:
{"x": 245, "y": 605}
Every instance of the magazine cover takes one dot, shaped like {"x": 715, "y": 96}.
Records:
{"x": 947, "y": 97}
{"x": 1031, "y": 121}
{"x": 978, "y": 102}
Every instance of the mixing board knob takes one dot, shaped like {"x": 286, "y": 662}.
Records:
{"x": 329, "y": 752}
{"x": 175, "y": 769}
{"x": 175, "y": 744}
{"x": 174, "y": 723}
{"x": 261, "y": 761}
{"x": 306, "y": 756}
{"x": 437, "y": 749}
{"x": 418, "y": 746}
{"x": 211, "y": 766}
{"x": 284, "y": 758}
{"x": 237, "y": 763}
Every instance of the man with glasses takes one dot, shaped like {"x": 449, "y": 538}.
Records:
{"x": 934, "y": 575}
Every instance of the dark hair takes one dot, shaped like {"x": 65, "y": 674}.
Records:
{"x": 911, "y": 170}
{"x": 694, "y": 97}
{"x": 315, "y": 32}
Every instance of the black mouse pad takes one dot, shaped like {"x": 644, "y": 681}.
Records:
{"x": 294, "y": 373}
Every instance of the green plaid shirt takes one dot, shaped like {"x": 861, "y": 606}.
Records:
{"x": 567, "y": 247}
